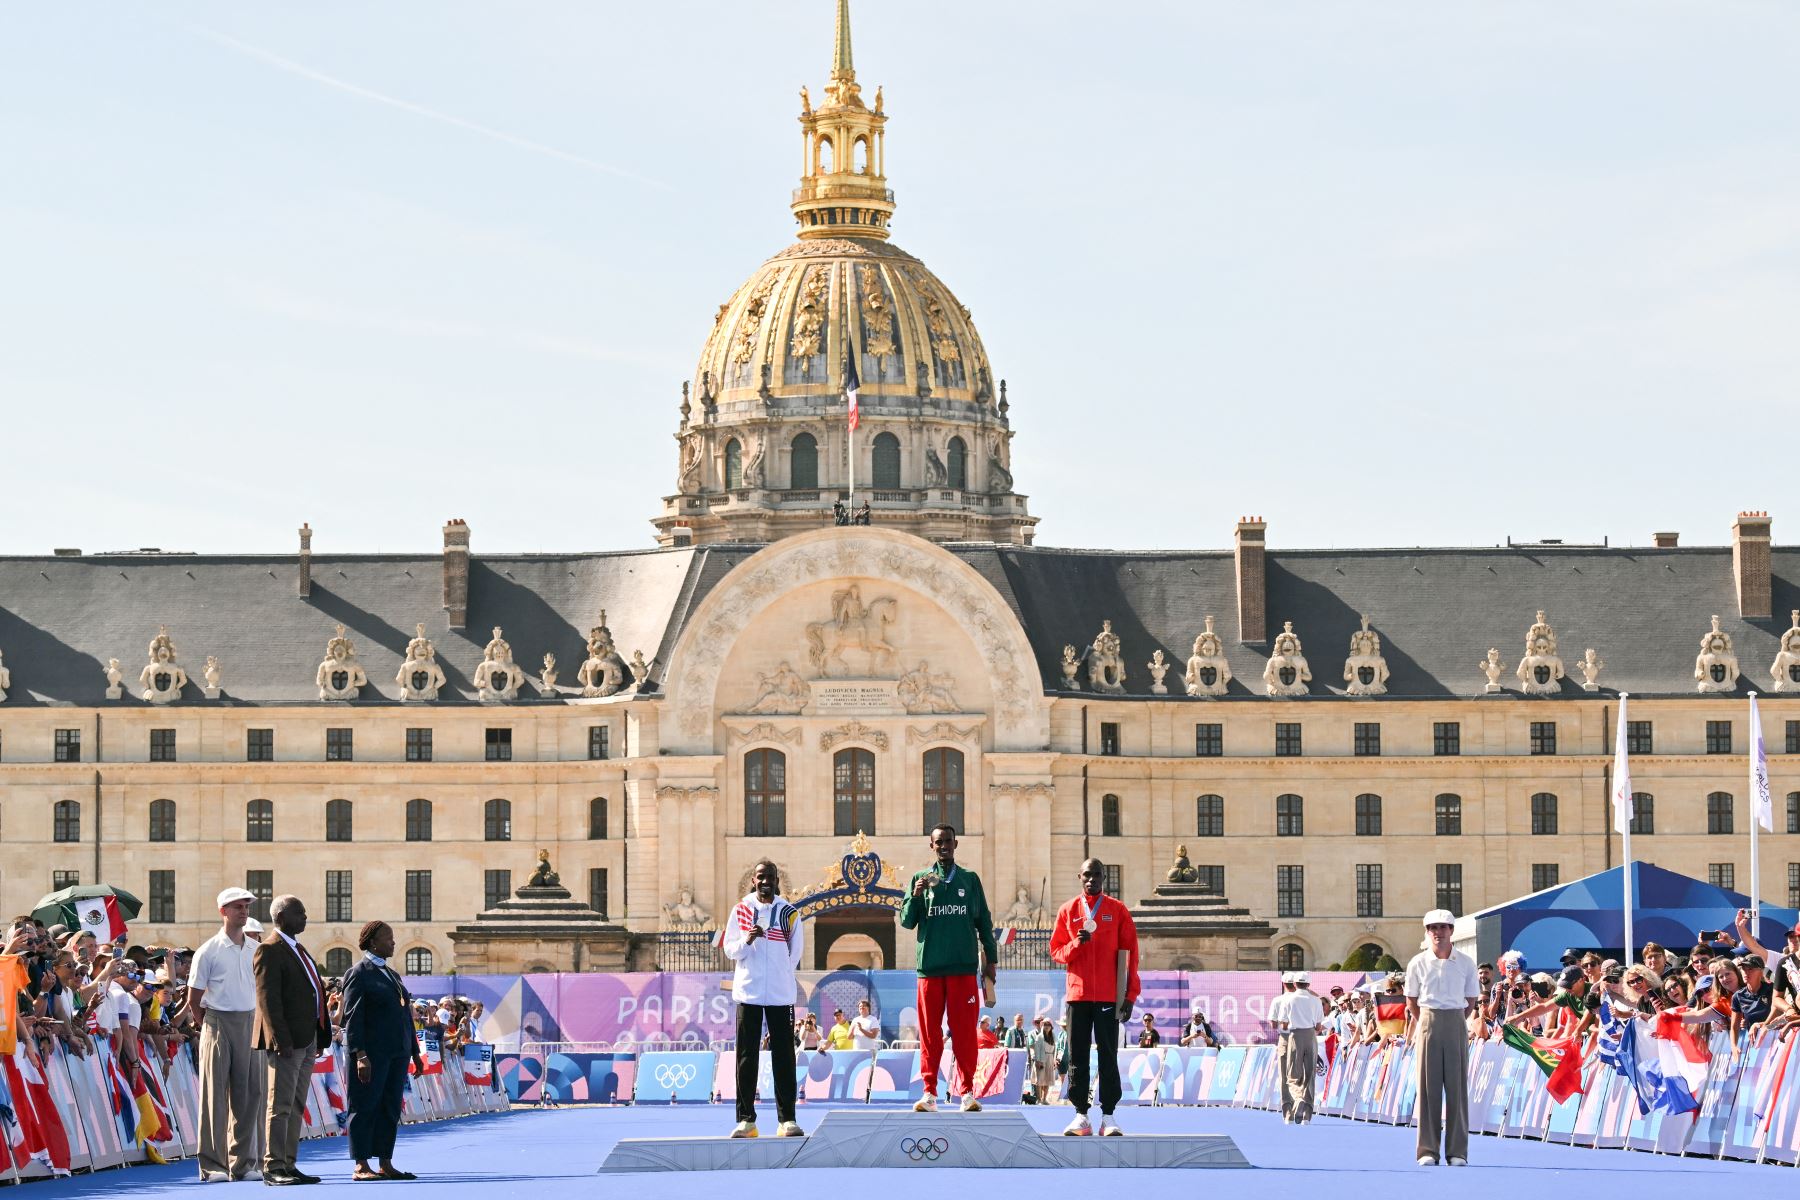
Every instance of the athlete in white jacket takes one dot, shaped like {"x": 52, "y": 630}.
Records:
{"x": 764, "y": 937}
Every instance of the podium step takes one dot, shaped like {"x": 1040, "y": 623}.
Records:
{"x": 907, "y": 1139}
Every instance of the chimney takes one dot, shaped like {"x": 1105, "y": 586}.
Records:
{"x": 456, "y": 571}
{"x": 1252, "y": 592}
{"x": 1666, "y": 540}
{"x": 306, "y": 559}
{"x": 1750, "y": 564}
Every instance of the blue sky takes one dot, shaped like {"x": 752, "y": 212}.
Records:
{"x": 1385, "y": 273}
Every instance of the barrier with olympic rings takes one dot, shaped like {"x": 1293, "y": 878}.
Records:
{"x": 925, "y": 1149}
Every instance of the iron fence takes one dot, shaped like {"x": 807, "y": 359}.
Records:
{"x": 689, "y": 950}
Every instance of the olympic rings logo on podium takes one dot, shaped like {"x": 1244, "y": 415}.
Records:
{"x": 924, "y": 1149}
{"x": 675, "y": 1074}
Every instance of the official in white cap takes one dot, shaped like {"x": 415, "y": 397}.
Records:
{"x": 1442, "y": 989}
{"x": 1305, "y": 1013}
{"x": 1277, "y": 1016}
{"x": 222, "y": 991}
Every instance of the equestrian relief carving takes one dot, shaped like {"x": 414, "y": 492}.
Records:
{"x": 853, "y": 626}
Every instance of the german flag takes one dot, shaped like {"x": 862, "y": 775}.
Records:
{"x": 1390, "y": 1014}
{"x": 1558, "y": 1058}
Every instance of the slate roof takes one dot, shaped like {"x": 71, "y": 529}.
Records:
{"x": 1437, "y": 611}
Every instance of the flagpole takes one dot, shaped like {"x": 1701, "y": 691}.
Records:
{"x": 1624, "y": 808}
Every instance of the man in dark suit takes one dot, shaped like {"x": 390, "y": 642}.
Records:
{"x": 379, "y": 1037}
{"x": 292, "y": 1026}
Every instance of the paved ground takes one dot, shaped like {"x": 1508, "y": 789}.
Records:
{"x": 551, "y": 1154}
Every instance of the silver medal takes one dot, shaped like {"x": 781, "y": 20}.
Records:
{"x": 1088, "y": 926}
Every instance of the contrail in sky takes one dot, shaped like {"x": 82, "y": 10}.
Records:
{"x": 331, "y": 81}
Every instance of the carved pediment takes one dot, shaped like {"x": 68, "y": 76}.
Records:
{"x": 943, "y": 731}
{"x": 764, "y": 732}
{"x": 1365, "y": 671}
{"x": 1287, "y": 673}
{"x": 1716, "y": 666}
{"x": 853, "y": 731}
{"x": 1541, "y": 670}
{"x": 704, "y": 793}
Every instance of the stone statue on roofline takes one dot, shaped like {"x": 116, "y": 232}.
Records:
{"x": 1786, "y": 668}
{"x": 1287, "y": 673}
{"x": 1208, "y": 673}
{"x": 603, "y": 671}
{"x": 419, "y": 676}
{"x": 340, "y": 676}
{"x": 497, "y": 676}
{"x": 1365, "y": 671}
{"x": 1541, "y": 670}
{"x": 1493, "y": 668}
{"x": 161, "y": 680}
{"x": 1716, "y": 666}
{"x": 1106, "y": 662}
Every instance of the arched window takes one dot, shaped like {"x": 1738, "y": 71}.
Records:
{"x": 943, "y": 788}
{"x": 1719, "y": 817}
{"x": 886, "y": 459}
{"x": 825, "y": 156}
{"x": 1289, "y": 957}
{"x": 1209, "y": 816}
{"x": 259, "y": 821}
{"x": 1368, "y": 815}
{"x": 597, "y": 818}
{"x": 66, "y": 821}
{"x": 1643, "y": 812}
{"x": 1448, "y": 810}
{"x": 958, "y": 464}
{"x": 162, "y": 820}
{"x": 853, "y": 792}
{"x": 418, "y": 820}
{"x": 418, "y": 961}
{"x": 1371, "y": 954}
{"x": 803, "y": 462}
{"x": 337, "y": 960}
{"x": 497, "y": 820}
{"x": 765, "y": 794}
{"x": 1109, "y": 815}
{"x": 1543, "y": 813}
{"x": 861, "y": 152}
{"x": 338, "y": 817}
{"x": 734, "y": 465}
{"x": 1290, "y": 816}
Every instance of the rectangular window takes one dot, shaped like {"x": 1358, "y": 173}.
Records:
{"x": 1543, "y": 737}
{"x": 1209, "y": 741}
{"x": 1718, "y": 737}
{"x": 1793, "y": 815}
{"x": 260, "y": 884}
{"x": 259, "y": 745}
{"x": 1210, "y": 816}
{"x": 1543, "y": 814}
{"x": 337, "y": 896}
{"x": 418, "y": 895}
{"x": 1793, "y": 740}
{"x": 1114, "y": 883}
{"x": 1719, "y": 818}
{"x": 499, "y": 745}
{"x": 1368, "y": 889}
{"x": 495, "y": 887}
{"x": 1446, "y": 738}
{"x": 597, "y": 893}
{"x": 63, "y": 879}
{"x": 1368, "y": 816}
{"x": 1366, "y": 739}
{"x": 1287, "y": 738}
{"x": 68, "y": 745}
{"x": 418, "y": 745}
{"x": 1448, "y": 809}
{"x": 1109, "y": 816}
{"x": 1290, "y": 816}
{"x": 599, "y": 741}
{"x": 1793, "y": 885}
{"x": 1723, "y": 875}
{"x": 162, "y": 745}
{"x": 162, "y": 897}
{"x": 338, "y": 746}
{"x": 1290, "y": 891}
{"x": 1640, "y": 737}
{"x": 1212, "y": 880}
{"x": 1109, "y": 738}
{"x": 1545, "y": 875}
{"x": 1449, "y": 887}
{"x": 1643, "y": 812}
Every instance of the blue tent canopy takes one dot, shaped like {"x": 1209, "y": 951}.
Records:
{"x": 1588, "y": 914}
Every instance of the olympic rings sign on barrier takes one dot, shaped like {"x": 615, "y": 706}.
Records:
{"x": 675, "y": 1075}
{"x": 924, "y": 1149}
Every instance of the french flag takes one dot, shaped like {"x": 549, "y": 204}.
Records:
{"x": 851, "y": 384}
{"x": 1006, "y": 937}
{"x": 101, "y": 917}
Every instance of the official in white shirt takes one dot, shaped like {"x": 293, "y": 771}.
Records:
{"x": 1442, "y": 989}
{"x": 222, "y": 987}
{"x": 865, "y": 1030}
{"x": 1305, "y": 1013}
{"x": 1277, "y": 1016}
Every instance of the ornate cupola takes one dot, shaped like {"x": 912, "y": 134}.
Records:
{"x": 764, "y": 444}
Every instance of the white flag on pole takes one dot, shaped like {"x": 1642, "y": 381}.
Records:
{"x": 1762, "y": 807}
{"x": 1624, "y": 807}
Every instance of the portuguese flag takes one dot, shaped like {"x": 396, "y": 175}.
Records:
{"x": 1559, "y": 1058}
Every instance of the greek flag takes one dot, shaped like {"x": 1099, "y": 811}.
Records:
{"x": 1610, "y": 1047}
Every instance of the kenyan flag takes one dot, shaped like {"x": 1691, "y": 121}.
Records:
{"x": 1559, "y": 1058}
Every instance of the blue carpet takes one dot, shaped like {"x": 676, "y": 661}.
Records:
{"x": 547, "y": 1154}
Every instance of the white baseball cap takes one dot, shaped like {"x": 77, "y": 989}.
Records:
{"x": 253, "y": 925}
{"x": 1287, "y": 977}
{"x": 1439, "y": 916}
{"x": 232, "y": 895}
{"x": 1302, "y": 977}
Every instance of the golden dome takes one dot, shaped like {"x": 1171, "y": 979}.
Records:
{"x": 790, "y": 328}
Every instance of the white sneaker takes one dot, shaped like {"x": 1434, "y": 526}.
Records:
{"x": 1425, "y": 1160}
{"x": 789, "y": 1129}
{"x": 744, "y": 1129}
{"x": 1109, "y": 1127}
{"x": 214, "y": 1177}
{"x": 926, "y": 1103}
{"x": 1079, "y": 1127}
{"x": 1459, "y": 1162}
{"x": 970, "y": 1103}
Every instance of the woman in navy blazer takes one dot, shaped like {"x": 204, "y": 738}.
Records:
{"x": 379, "y": 1037}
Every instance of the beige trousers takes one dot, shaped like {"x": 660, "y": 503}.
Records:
{"x": 290, "y": 1079}
{"x": 1443, "y": 1105}
{"x": 1284, "y": 1045}
{"x": 231, "y": 1093}
{"x": 1302, "y": 1073}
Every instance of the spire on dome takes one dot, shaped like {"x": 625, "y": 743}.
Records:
{"x": 843, "y": 192}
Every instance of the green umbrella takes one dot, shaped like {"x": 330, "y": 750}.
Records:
{"x": 58, "y": 908}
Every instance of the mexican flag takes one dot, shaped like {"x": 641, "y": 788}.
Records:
{"x": 101, "y": 917}
{"x": 1559, "y": 1058}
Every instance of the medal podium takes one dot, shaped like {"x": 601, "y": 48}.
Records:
{"x": 908, "y": 1139}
